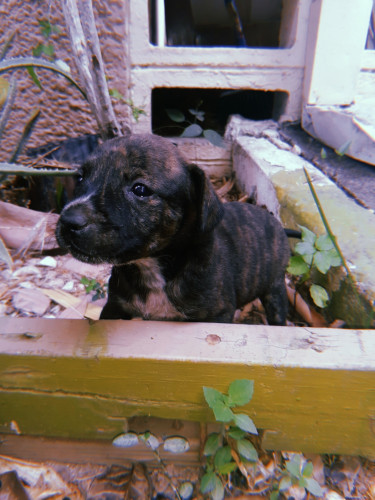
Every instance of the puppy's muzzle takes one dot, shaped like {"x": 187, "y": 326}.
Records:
{"x": 76, "y": 229}
{"x": 73, "y": 219}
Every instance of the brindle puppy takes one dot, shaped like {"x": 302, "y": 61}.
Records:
{"x": 178, "y": 253}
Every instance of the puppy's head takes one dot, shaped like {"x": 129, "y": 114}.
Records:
{"x": 135, "y": 197}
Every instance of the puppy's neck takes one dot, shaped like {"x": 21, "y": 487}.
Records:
{"x": 151, "y": 273}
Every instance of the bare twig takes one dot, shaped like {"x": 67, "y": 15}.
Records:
{"x": 80, "y": 21}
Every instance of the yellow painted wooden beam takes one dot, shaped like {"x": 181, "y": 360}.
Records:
{"x": 314, "y": 388}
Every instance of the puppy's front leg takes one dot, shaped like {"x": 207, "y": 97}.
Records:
{"x": 118, "y": 289}
{"x": 113, "y": 310}
{"x": 275, "y": 303}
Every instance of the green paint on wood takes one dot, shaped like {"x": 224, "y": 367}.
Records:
{"x": 314, "y": 388}
{"x": 316, "y": 410}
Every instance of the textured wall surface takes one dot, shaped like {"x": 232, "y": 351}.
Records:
{"x": 64, "y": 112}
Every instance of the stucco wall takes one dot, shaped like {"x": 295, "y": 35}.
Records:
{"x": 64, "y": 112}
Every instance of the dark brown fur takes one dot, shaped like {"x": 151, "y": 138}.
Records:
{"x": 178, "y": 253}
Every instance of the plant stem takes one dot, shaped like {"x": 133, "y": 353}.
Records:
{"x": 326, "y": 224}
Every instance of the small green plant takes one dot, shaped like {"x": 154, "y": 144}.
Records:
{"x": 136, "y": 111}
{"x": 194, "y": 129}
{"x": 314, "y": 252}
{"x": 297, "y": 472}
{"x": 43, "y": 49}
{"x": 230, "y": 449}
{"x": 93, "y": 286}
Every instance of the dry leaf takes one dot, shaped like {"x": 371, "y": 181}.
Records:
{"x": 312, "y": 317}
{"x": 60, "y": 297}
{"x": 31, "y": 300}
{"x": 22, "y": 228}
{"x": 40, "y": 481}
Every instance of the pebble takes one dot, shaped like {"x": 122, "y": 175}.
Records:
{"x": 24, "y": 270}
{"x": 332, "y": 495}
{"x": 27, "y": 284}
{"x": 69, "y": 286}
{"x": 48, "y": 262}
{"x": 55, "y": 284}
{"x": 31, "y": 301}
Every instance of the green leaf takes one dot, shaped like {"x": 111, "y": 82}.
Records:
{"x": 46, "y": 49}
{"x": 293, "y": 466}
{"x": 208, "y": 482}
{"x": 308, "y": 469}
{"x": 222, "y": 412}
{"x": 223, "y": 456}
{"x": 307, "y": 235}
{"x": 199, "y": 115}
{"x": 247, "y": 450}
{"x": 305, "y": 248}
{"x": 335, "y": 258}
{"x": 34, "y": 77}
{"x": 274, "y": 495}
{"x": 212, "y": 444}
{"x": 324, "y": 242}
{"x": 285, "y": 483}
{"x": 38, "y": 50}
{"x": 218, "y": 492}
{"x": 323, "y": 154}
{"x": 236, "y": 433}
{"x": 326, "y": 259}
{"x": 227, "y": 468}
{"x": 313, "y": 487}
{"x": 193, "y": 130}
{"x": 116, "y": 94}
{"x": 240, "y": 392}
{"x": 319, "y": 295}
{"x": 47, "y": 28}
{"x": 175, "y": 115}
{"x": 212, "y": 396}
{"x": 245, "y": 423}
{"x": 322, "y": 260}
{"x": 214, "y": 138}
{"x": 297, "y": 265}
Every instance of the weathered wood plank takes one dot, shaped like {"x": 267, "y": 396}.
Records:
{"x": 314, "y": 388}
{"x": 42, "y": 449}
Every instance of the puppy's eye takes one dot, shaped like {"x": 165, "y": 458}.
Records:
{"x": 79, "y": 178}
{"x": 141, "y": 190}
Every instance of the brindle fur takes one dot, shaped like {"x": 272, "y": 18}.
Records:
{"x": 178, "y": 253}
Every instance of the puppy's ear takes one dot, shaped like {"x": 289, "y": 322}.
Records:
{"x": 210, "y": 209}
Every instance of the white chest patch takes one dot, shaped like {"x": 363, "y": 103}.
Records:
{"x": 157, "y": 305}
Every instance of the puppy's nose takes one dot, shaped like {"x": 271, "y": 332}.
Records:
{"x": 74, "y": 218}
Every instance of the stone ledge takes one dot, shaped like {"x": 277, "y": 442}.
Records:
{"x": 271, "y": 170}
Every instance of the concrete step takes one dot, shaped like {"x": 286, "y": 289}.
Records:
{"x": 271, "y": 170}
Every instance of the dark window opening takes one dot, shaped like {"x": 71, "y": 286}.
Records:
{"x": 210, "y": 108}
{"x": 219, "y": 23}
